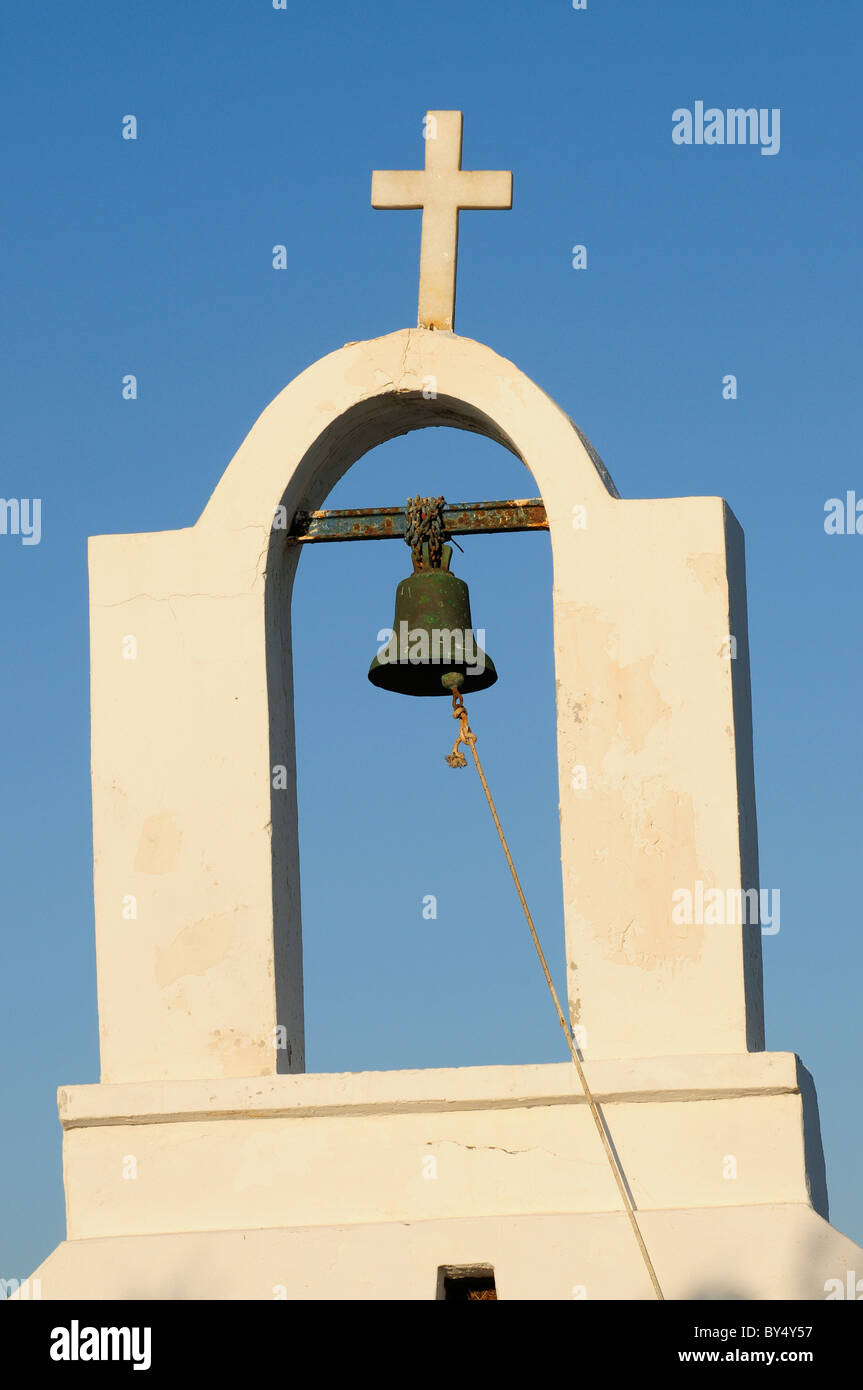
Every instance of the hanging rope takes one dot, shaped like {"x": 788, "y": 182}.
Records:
{"x": 457, "y": 759}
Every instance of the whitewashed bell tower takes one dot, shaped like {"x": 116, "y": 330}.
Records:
{"x": 206, "y": 1160}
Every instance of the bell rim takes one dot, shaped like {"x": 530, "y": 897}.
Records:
{"x": 471, "y": 684}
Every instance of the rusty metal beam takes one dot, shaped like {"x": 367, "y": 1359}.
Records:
{"x": 388, "y": 523}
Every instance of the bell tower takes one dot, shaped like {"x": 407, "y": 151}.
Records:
{"x": 251, "y": 1176}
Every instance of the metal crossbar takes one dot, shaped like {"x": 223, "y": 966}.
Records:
{"x": 388, "y": 523}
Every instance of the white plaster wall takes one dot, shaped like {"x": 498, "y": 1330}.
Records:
{"x": 185, "y": 734}
{"x": 425, "y": 1145}
{"x": 251, "y": 1184}
{"x": 322, "y": 1170}
{"x": 779, "y": 1251}
{"x": 319, "y": 1186}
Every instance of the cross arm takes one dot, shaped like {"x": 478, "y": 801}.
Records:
{"x": 398, "y": 188}
{"x": 486, "y": 188}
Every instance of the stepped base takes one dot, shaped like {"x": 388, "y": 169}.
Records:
{"x": 781, "y": 1252}
{"x": 362, "y": 1185}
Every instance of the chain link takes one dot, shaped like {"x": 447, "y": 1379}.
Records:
{"x": 424, "y": 525}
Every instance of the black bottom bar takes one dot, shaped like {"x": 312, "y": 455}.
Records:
{"x": 254, "y": 1340}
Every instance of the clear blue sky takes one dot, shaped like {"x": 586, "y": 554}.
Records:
{"x": 153, "y": 257}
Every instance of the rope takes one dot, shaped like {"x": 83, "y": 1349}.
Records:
{"x": 457, "y": 759}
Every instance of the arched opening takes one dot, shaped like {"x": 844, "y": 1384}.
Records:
{"x": 365, "y": 395}
{"x": 416, "y": 953}
{"x": 643, "y": 598}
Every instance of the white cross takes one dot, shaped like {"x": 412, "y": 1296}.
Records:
{"x": 441, "y": 189}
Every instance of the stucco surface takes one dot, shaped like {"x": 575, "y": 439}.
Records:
{"x": 778, "y": 1251}
{"x": 423, "y": 1145}
{"x": 648, "y": 704}
{"x": 206, "y": 1164}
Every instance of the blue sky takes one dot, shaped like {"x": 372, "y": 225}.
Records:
{"x": 154, "y": 257}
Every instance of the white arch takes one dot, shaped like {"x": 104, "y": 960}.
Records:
{"x": 366, "y": 393}
{"x": 185, "y": 738}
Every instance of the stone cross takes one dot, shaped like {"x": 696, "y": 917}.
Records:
{"x": 441, "y": 190}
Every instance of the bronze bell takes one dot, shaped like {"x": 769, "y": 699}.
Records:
{"x": 433, "y": 650}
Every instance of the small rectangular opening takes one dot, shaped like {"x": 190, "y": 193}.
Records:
{"x": 466, "y": 1283}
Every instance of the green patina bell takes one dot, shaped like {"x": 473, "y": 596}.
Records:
{"x": 433, "y": 649}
